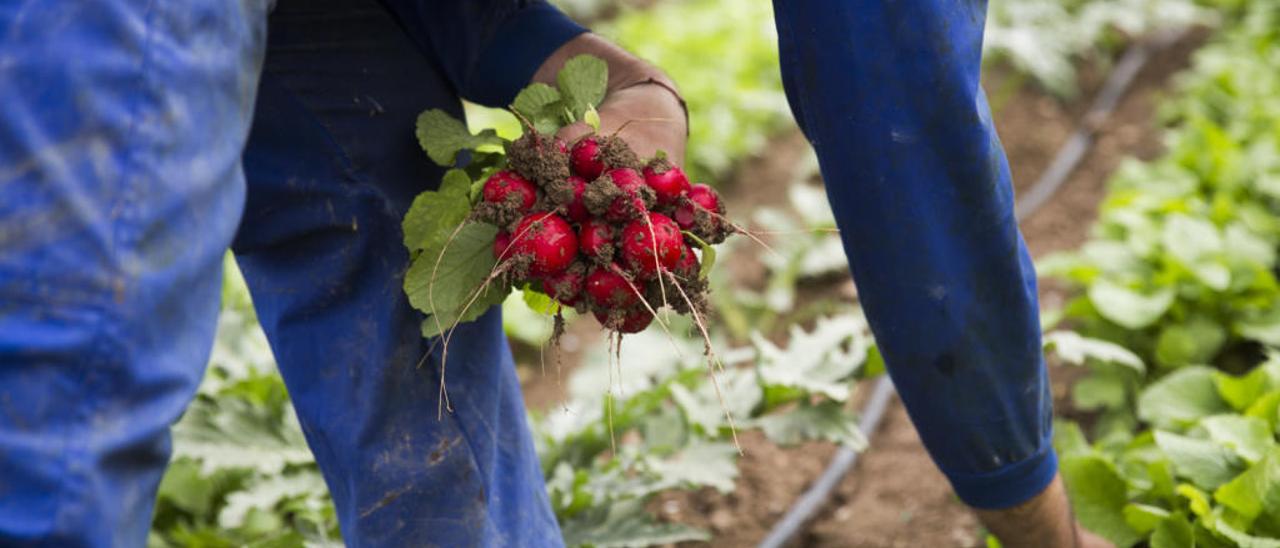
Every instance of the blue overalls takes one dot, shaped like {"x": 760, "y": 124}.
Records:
{"x": 138, "y": 140}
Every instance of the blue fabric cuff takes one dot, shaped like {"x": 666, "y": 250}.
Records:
{"x": 518, "y": 48}
{"x": 1009, "y": 485}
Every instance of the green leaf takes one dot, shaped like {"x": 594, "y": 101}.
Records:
{"x": 875, "y": 365}
{"x": 582, "y": 82}
{"x": 1160, "y": 472}
{"x": 539, "y": 302}
{"x": 1242, "y": 539}
{"x": 1267, "y": 408}
{"x": 1256, "y": 490}
{"x": 702, "y": 405}
{"x": 521, "y": 323}
{"x": 1074, "y": 349}
{"x": 623, "y": 525}
{"x": 1127, "y": 307}
{"x": 708, "y": 254}
{"x": 443, "y": 136}
{"x": 1174, "y": 532}
{"x": 592, "y": 118}
{"x": 1144, "y": 518}
{"x": 1197, "y": 500}
{"x": 184, "y": 487}
{"x": 1184, "y": 396}
{"x": 1194, "y": 241}
{"x": 822, "y": 361}
{"x": 664, "y": 430}
{"x": 1101, "y": 390}
{"x": 234, "y": 434}
{"x": 1245, "y": 390}
{"x": 827, "y": 420}
{"x": 1068, "y": 438}
{"x": 434, "y": 215}
{"x": 1196, "y": 341}
{"x": 266, "y": 493}
{"x": 539, "y": 104}
{"x": 1098, "y": 494}
{"x": 1265, "y": 330}
{"x": 1198, "y": 244}
{"x": 1204, "y": 462}
{"x": 455, "y": 294}
{"x": 700, "y": 464}
{"x": 1249, "y": 437}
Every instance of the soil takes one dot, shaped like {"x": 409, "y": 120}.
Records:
{"x": 895, "y": 497}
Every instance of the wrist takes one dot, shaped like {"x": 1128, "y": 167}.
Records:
{"x": 1045, "y": 520}
{"x": 668, "y": 87}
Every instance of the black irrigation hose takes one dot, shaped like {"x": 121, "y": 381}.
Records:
{"x": 1068, "y": 157}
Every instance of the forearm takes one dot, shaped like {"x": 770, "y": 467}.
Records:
{"x": 1045, "y": 520}
{"x": 888, "y": 94}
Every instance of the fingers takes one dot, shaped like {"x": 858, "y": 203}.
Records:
{"x": 646, "y": 117}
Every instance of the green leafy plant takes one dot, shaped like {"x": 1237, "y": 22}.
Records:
{"x": 1045, "y": 39}
{"x": 1205, "y": 472}
{"x": 1181, "y": 266}
{"x": 661, "y": 424}
{"x": 1181, "y": 269}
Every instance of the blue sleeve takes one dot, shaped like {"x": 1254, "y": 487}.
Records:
{"x": 488, "y": 49}
{"x": 889, "y": 95}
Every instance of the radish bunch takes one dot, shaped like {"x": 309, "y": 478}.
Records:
{"x": 585, "y": 224}
{"x": 597, "y": 230}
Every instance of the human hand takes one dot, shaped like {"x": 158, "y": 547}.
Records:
{"x": 640, "y": 106}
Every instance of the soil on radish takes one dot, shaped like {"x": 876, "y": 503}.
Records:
{"x": 543, "y": 160}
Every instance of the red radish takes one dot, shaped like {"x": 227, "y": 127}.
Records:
{"x": 596, "y": 240}
{"x": 577, "y": 209}
{"x": 633, "y": 320}
{"x": 585, "y": 158}
{"x": 562, "y": 146}
{"x": 646, "y": 246}
{"x": 608, "y": 290}
{"x": 632, "y": 202}
{"x": 566, "y": 286}
{"x": 700, "y": 196}
{"x": 687, "y": 267}
{"x": 508, "y": 186}
{"x": 548, "y": 241}
{"x": 667, "y": 181}
{"x": 502, "y": 249}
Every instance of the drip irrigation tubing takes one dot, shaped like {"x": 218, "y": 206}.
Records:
{"x": 1064, "y": 163}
